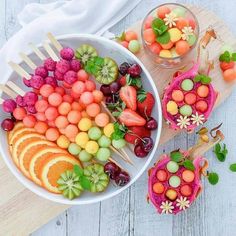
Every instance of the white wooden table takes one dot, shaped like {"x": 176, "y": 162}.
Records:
{"x": 214, "y": 213}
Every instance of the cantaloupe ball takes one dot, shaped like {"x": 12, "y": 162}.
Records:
{"x": 181, "y": 23}
{"x": 182, "y": 47}
{"x": 52, "y": 134}
{"x": 167, "y": 45}
{"x": 19, "y": 113}
{"x": 41, "y": 127}
{"x": 102, "y": 119}
{"x": 109, "y": 129}
{"x": 165, "y": 53}
{"x": 64, "y": 108}
{"x": 76, "y": 106}
{"x": 74, "y": 117}
{"x": 86, "y": 98}
{"x": 162, "y": 11}
{"x": 93, "y": 109}
{"x": 98, "y": 96}
{"x": 130, "y": 35}
{"x": 71, "y": 131}
{"x": 90, "y": 85}
{"x": 29, "y": 121}
{"x": 84, "y": 114}
{"x": 229, "y": 75}
{"x": 149, "y": 36}
{"x": 175, "y": 34}
{"x": 51, "y": 113}
{"x": 61, "y": 122}
{"x": 55, "y": 99}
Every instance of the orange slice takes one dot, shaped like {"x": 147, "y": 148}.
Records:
{"x": 39, "y": 158}
{"x": 21, "y": 142}
{"x": 28, "y": 151}
{"x": 17, "y": 126}
{"x": 53, "y": 168}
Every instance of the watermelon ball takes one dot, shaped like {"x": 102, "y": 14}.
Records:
{"x": 20, "y": 101}
{"x": 70, "y": 77}
{"x": 51, "y": 113}
{"x": 104, "y": 141}
{"x": 186, "y": 110}
{"x": 148, "y": 22}
{"x": 179, "y": 11}
{"x": 50, "y": 64}
{"x": 134, "y": 46}
{"x": 29, "y": 121}
{"x": 9, "y": 105}
{"x": 174, "y": 181}
{"x": 41, "y": 127}
{"x": 41, "y": 71}
{"x": 175, "y": 34}
{"x": 190, "y": 98}
{"x": 60, "y": 90}
{"x": 55, "y": 99}
{"x": 75, "y": 65}
{"x": 85, "y": 156}
{"x": 201, "y": 106}
{"x": 63, "y": 66}
{"x": 90, "y": 85}
{"x": 192, "y": 23}
{"x": 58, "y": 75}
{"x": 182, "y": 47}
{"x": 52, "y": 134}
{"x": 192, "y": 39}
{"x": 155, "y": 48}
{"x": 31, "y": 109}
{"x": 149, "y": 36}
{"x": 51, "y": 81}
{"x": 118, "y": 144}
{"x": 30, "y": 98}
{"x": 78, "y": 87}
{"x": 167, "y": 45}
{"x": 161, "y": 175}
{"x": 203, "y": 91}
{"x": 187, "y": 85}
{"x": 74, "y": 117}
{"x": 162, "y": 11}
{"x": 103, "y": 154}
{"x": 94, "y": 133}
{"x": 86, "y": 98}
{"x": 46, "y": 90}
{"x": 172, "y": 166}
{"x": 67, "y": 53}
{"x": 186, "y": 190}
{"x": 61, "y": 122}
{"x": 37, "y": 81}
{"x": 171, "y": 194}
{"x": 19, "y": 113}
{"x": 188, "y": 176}
{"x": 82, "y": 75}
{"x": 74, "y": 149}
{"x": 125, "y": 44}
{"x": 26, "y": 82}
{"x": 177, "y": 95}
{"x": 158, "y": 188}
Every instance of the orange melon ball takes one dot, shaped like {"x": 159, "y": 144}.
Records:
{"x": 41, "y": 105}
{"x": 90, "y": 85}
{"x": 74, "y": 117}
{"x": 203, "y": 91}
{"x": 181, "y": 23}
{"x": 84, "y": 114}
{"x": 229, "y": 75}
{"x": 177, "y": 95}
{"x": 155, "y": 48}
{"x": 67, "y": 98}
{"x": 78, "y": 87}
{"x": 86, "y": 98}
{"x": 51, "y": 113}
{"x": 41, "y": 127}
{"x": 149, "y": 36}
{"x": 61, "y": 122}
{"x": 51, "y": 123}
{"x": 29, "y": 121}
{"x": 55, "y": 99}
{"x": 82, "y": 75}
{"x": 188, "y": 176}
{"x": 102, "y": 119}
{"x": 71, "y": 131}
{"x": 182, "y": 47}
{"x": 19, "y": 113}
{"x": 40, "y": 116}
{"x": 167, "y": 45}
{"x": 158, "y": 188}
{"x": 46, "y": 90}
{"x": 76, "y": 106}
{"x": 98, "y": 96}
{"x": 93, "y": 109}
{"x": 162, "y": 11}
{"x": 52, "y": 134}
{"x": 64, "y": 108}
{"x": 130, "y": 35}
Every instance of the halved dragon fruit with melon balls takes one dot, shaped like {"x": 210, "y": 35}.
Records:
{"x": 188, "y": 100}
{"x": 171, "y": 187}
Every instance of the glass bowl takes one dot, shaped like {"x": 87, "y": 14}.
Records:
{"x": 183, "y": 35}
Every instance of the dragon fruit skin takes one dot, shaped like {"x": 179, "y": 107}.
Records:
{"x": 196, "y": 185}
{"x": 176, "y": 83}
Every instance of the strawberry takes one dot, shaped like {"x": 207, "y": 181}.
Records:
{"x": 135, "y": 132}
{"x": 146, "y": 102}
{"x": 128, "y": 95}
{"x": 122, "y": 81}
{"x": 128, "y": 80}
{"x": 129, "y": 117}
{"x": 226, "y": 65}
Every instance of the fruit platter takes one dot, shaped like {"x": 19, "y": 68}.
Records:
{"x": 81, "y": 119}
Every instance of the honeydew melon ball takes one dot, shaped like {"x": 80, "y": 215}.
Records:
{"x": 94, "y": 133}
{"x": 103, "y": 154}
{"x": 85, "y": 156}
{"x": 187, "y": 85}
{"x": 104, "y": 141}
{"x": 74, "y": 149}
{"x": 120, "y": 143}
{"x": 186, "y": 110}
{"x": 192, "y": 39}
{"x": 175, "y": 34}
{"x": 165, "y": 53}
{"x": 172, "y": 107}
{"x": 134, "y": 46}
{"x": 179, "y": 11}
{"x": 172, "y": 166}
{"x": 174, "y": 181}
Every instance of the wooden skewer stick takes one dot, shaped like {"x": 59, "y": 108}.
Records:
{"x": 108, "y": 111}
{"x": 8, "y": 91}
{"x": 126, "y": 155}
{"x": 50, "y": 51}
{"x": 55, "y": 42}
{"x": 122, "y": 156}
{"x": 27, "y": 60}
{"x": 15, "y": 88}
{"x": 37, "y": 51}
{"x": 19, "y": 70}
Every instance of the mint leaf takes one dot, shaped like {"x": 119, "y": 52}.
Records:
{"x": 85, "y": 183}
{"x": 204, "y": 79}
{"x": 220, "y": 152}
{"x": 213, "y": 178}
{"x": 233, "y": 56}
{"x": 225, "y": 57}
{"x": 78, "y": 171}
{"x": 142, "y": 94}
{"x": 197, "y": 78}
{"x": 188, "y": 164}
{"x": 232, "y": 167}
{"x": 118, "y": 133}
{"x": 164, "y": 38}
{"x": 176, "y": 156}
{"x": 156, "y": 25}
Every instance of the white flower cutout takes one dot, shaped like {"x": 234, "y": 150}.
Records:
{"x": 182, "y": 203}
{"x": 187, "y": 31}
{"x": 183, "y": 122}
{"x": 166, "y": 207}
{"x": 170, "y": 19}
{"x": 197, "y": 119}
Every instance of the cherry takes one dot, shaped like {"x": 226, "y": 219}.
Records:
{"x": 105, "y": 89}
{"x": 139, "y": 151}
{"x": 151, "y": 123}
{"x": 147, "y": 144}
{"x": 7, "y": 124}
{"x": 135, "y": 70}
{"x": 123, "y": 69}
{"x": 114, "y": 87}
{"x": 122, "y": 178}
{"x": 112, "y": 170}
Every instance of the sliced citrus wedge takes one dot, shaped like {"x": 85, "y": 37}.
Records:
{"x": 52, "y": 169}
{"x": 39, "y": 158}
{"x": 17, "y": 126}
{"x": 27, "y": 153}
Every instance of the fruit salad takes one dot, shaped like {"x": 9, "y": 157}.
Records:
{"x": 64, "y": 131}
{"x": 169, "y": 32}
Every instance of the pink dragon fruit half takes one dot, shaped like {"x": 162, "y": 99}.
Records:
{"x": 187, "y": 104}
{"x": 171, "y": 187}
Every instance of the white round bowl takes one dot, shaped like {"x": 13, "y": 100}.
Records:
{"x": 105, "y": 47}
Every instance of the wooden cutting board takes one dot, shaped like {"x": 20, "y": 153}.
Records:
{"x": 22, "y": 212}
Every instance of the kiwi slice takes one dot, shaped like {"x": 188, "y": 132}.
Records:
{"x": 85, "y": 52}
{"x": 69, "y": 185}
{"x": 108, "y": 72}
{"x": 98, "y": 178}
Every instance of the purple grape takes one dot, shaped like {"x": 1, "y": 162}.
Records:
{"x": 112, "y": 170}
{"x": 147, "y": 144}
{"x": 151, "y": 123}
{"x": 41, "y": 71}
{"x": 114, "y": 87}
{"x": 9, "y": 105}
{"x": 30, "y": 98}
{"x": 50, "y": 64}
{"x": 7, "y": 124}
{"x": 105, "y": 89}
{"x": 75, "y": 65}
{"x": 139, "y": 152}
{"x": 122, "y": 178}
{"x": 67, "y": 53}
{"x": 123, "y": 69}
{"x": 135, "y": 70}
{"x": 20, "y": 101}
{"x": 51, "y": 80}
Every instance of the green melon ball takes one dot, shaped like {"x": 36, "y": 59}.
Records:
{"x": 172, "y": 167}
{"x": 192, "y": 39}
{"x": 104, "y": 141}
{"x": 134, "y": 46}
{"x": 174, "y": 181}
{"x": 85, "y": 156}
{"x": 187, "y": 85}
{"x": 186, "y": 110}
{"x": 103, "y": 154}
{"x": 179, "y": 11}
{"x": 74, "y": 149}
{"x": 118, "y": 144}
{"x": 94, "y": 133}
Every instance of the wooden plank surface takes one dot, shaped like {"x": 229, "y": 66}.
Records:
{"x": 128, "y": 213}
